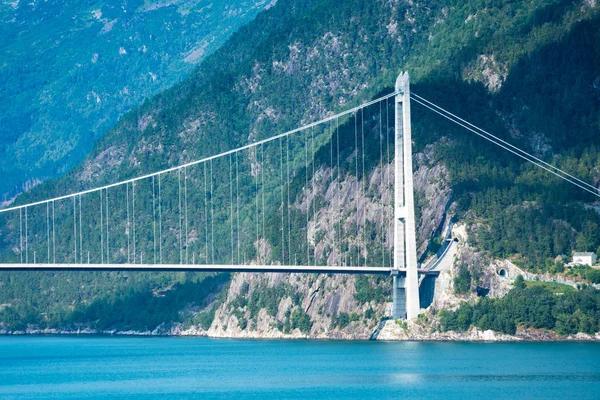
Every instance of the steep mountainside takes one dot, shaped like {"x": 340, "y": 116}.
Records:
{"x": 506, "y": 66}
{"x": 68, "y": 70}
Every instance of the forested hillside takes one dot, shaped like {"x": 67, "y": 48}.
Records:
{"x": 68, "y": 70}
{"x": 506, "y": 66}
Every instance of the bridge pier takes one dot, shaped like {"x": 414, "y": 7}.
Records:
{"x": 398, "y": 296}
{"x": 406, "y": 289}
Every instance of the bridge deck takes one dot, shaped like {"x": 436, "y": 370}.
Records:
{"x": 208, "y": 268}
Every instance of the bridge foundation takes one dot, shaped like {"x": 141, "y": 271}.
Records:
{"x": 406, "y": 289}
{"x": 399, "y": 296}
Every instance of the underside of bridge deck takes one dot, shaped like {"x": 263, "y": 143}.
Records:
{"x": 210, "y": 268}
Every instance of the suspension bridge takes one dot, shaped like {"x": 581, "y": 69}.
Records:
{"x": 334, "y": 196}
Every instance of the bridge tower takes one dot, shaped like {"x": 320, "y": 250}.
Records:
{"x": 405, "y": 290}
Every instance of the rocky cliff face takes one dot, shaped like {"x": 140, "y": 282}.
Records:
{"x": 433, "y": 196}
{"x": 322, "y": 298}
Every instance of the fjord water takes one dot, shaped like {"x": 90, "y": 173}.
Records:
{"x": 134, "y": 367}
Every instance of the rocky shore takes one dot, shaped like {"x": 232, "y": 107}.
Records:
{"x": 389, "y": 330}
{"x": 411, "y": 331}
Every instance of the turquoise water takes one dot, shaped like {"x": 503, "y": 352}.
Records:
{"x": 158, "y": 368}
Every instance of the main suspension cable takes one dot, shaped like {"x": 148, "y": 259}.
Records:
{"x": 210, "y": 158}
{"x": 521, "y": 153}
{"x": 414, "y": 95}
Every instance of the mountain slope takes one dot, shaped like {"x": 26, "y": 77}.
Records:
{"x": 68, "y": 71}
{"x": 505, "y": 66}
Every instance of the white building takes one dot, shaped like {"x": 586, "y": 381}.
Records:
{"x": 584, "y": 258}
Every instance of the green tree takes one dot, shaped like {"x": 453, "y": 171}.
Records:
{"x": 519, "y": 282}
{"x": 462, "y": 281}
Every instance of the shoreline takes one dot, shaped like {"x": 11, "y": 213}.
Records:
{"x": 473, "y": 336}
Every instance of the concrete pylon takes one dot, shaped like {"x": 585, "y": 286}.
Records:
{"x": 405, "y": 288}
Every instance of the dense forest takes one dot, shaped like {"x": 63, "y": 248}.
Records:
{"x": 530, "y": 305}
{"x": 328, "y": 56}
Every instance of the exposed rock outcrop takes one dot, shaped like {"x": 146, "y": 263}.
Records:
{"x": 393, "y": 330}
